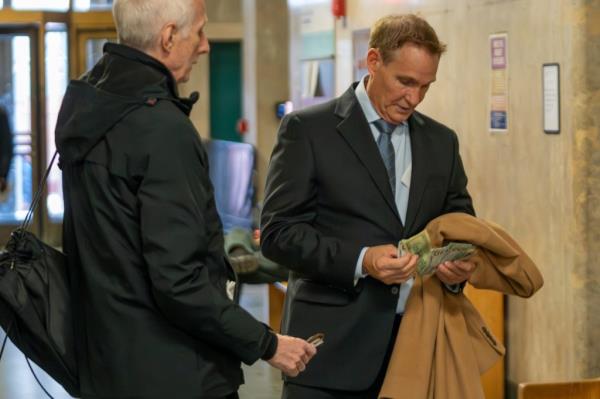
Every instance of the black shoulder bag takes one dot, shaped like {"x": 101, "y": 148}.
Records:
{"x": 35, "y": 302}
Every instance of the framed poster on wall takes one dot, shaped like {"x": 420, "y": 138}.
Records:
{"x": 498, "y": 122}
{"x": 551, "y": 97}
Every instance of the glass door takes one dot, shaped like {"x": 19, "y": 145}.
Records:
{"x": 34, "y": 71}
{"x": 18, "y": 96}
{"x": 35, "y": 64}
{"x": 56, "y": 74}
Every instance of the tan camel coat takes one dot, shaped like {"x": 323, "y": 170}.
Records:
{"x": 443, "y": 345}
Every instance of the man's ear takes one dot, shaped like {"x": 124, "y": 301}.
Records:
{"x": 167, "y": 37}
{"x": 374, "y": 60}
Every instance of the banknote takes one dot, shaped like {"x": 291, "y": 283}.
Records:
{"x": 419, "y": 244}
{"x": 317, "y": 339}
{"x": 431, "y": 258}
{"x": 451, "y": 252}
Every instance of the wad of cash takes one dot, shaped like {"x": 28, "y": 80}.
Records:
{"x": 430, "y": 258}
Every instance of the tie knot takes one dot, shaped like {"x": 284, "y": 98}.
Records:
{"x": 384, "y": 126}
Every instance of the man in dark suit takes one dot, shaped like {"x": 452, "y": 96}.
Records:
{"x": 143, "y": 239}
{"x": 347, "y": 180}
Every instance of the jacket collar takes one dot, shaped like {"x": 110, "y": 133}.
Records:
{"x": 170, "y": 84}
{"x": 143, "y": 58}
{"x": 347, "y": 101}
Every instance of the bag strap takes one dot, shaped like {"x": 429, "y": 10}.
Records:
{"x": 6, "y": 338}
{"x": 149, "y": 101}
{"x": 37, "y": 379}
{"x": 38, "y": 195}
{"x": 24, "y": 226}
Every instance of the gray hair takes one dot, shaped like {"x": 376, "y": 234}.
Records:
{"x": 139, "y": 22}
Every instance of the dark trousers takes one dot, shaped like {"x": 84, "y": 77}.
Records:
{"x": 294, "y": 391}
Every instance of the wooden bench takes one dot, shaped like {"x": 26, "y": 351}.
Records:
{"x": 584, "y": 389}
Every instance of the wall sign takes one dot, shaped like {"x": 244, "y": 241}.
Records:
{"x": 499, "y": 83}
{"x": 551, "y": 97}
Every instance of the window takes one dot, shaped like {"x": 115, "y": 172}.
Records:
{"x": 90, "y": 5}
{"x": 54, "y": 5}
{"x": 93, "y": 51}
{"x": 15, "y": 97}
{"x": 56, "y": 84}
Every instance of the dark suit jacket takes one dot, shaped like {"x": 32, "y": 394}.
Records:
{"x": 327, "y": 197}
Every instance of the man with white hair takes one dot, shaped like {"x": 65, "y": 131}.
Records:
{"x": 141, "y": 232}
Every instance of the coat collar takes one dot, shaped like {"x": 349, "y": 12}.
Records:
{"x": 354, "y": 128}
{"x": 139, "y": 56}
{"x": 145, "y": 65}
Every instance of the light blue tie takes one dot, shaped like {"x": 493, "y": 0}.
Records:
{"x": 386, "y": 149}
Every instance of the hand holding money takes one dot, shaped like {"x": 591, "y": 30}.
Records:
{"x": 317, "y": 339}
{"x": 292, "y": 355}
{"x": 455, "y": 272}
{"x": 420, "y": 245}
{"x": 382, "y": 262}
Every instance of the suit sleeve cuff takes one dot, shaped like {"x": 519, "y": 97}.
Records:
{"x": 358, "y": 274}
{"x": 271, "y": 346}
{"x": 454, "y": 288}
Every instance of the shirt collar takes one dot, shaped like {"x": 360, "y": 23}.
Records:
{"x": 365, "y": 102}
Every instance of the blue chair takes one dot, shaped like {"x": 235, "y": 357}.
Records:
{"x": 232, "y": 169}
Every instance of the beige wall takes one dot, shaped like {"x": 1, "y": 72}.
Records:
{"x": 544, "y": 189}
{"x": 224, "y": 11}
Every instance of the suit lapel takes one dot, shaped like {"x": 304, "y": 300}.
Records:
{"x": 355, "y": 129}
{"x": 418, "y": 181}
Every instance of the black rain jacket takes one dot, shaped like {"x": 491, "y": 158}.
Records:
{"x": 144, "y": 242}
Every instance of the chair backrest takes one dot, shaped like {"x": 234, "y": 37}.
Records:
{"x": 583, "y": 389}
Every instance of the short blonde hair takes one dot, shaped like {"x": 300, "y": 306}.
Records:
{"x": 394, "y": 31}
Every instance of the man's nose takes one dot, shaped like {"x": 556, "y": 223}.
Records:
{"x": 204, "y": 47}
{"x": 413, "y": 96}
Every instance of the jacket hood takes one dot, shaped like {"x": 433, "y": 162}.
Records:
{"x": 122, "y": 81}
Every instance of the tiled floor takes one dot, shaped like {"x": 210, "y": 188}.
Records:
{"x": 262, "y": 381}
